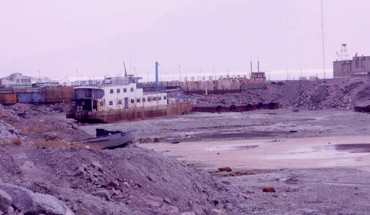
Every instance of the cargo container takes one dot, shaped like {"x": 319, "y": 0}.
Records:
{"x": 8, "y": 98}
{"x": 31, "y": 98}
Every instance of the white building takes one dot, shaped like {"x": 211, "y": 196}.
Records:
{"x": 129, "y": 96}
{"x": 117, "y": 94}
{"x": 16, "y": 79}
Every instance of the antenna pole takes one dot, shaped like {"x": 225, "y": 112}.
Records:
{"x": 323, "y": 36}
{"x": 124, "y": 66}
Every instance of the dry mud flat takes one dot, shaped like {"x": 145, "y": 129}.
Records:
{"x": 317, "y": 162}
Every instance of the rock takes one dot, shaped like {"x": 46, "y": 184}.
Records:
{"x": 167, "y": 200}
{"x": 229, "y": 206}
{"x": 156, "y": 140}
{"x": 113, "y": 184}
{"x": 217, "y": 212}
{"x": 102, "y": 193}
{"x": 153, "y": 201}
{"x": 28, "y": 202}
{"x": 197, "y": 208}
{"x": 51, "y": 136}
{"x": 188, "y": 213}
{"x": 169, "y": 209}
{"x": 224, "y": 169}
{"x": 269, "y": 190}
{"x": 5, "y": 201}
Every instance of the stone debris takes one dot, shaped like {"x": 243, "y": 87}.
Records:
{"x": 313, "y": 95}
{"x": 224, "y": 169}
{"x": 28, "y": 202}
{"x": 217, "y": 212}
{"x": 268, "y": 190}
{"x": 5, "y": 201}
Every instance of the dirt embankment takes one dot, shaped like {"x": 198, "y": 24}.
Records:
{"x": 341, "y": 94}
{"x": 36, "y": 159}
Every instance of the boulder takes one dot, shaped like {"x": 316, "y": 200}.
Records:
{"x": 29, "y": 202}
{"x": 269, "y": 190}
{"x": 5, "y": 201}
{"x": 217, "y": 212}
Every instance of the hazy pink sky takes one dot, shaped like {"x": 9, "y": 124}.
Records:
{"x": 94, "y": 37}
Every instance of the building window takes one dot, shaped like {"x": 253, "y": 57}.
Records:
{"x": 119, "y": 102}
{"x": 137, "y": 100}
{"x": 143, "y": 100}
{"x": 164, "y": 97}
{"x": 110, "y": 102}
{"x": 132, "y": 101}
{"x": 118, "y": 90}
{"x": 131, "y": 89}
{"x": 149, "y": 99}
{"x": 159, "y": 98}
{"x": 111, "y": 91}
{"x": 124, "y": 90}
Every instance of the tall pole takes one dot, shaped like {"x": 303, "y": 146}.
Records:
{"x": 180, "y": 72}
{"x": 156, "y": 76}
{"x": 323, "y": 36}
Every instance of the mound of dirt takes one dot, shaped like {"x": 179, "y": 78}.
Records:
{"x": 341, "y": 94}
{"x": 131, "y": 180}
{"x": 122, "y": 181}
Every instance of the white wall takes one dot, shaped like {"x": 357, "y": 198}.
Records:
{"x": 136, "y": 98}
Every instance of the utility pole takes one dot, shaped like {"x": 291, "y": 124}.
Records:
{"x": 323, "y": 36}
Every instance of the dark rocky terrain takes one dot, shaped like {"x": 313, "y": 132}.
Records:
{"x": 41, "y": 173}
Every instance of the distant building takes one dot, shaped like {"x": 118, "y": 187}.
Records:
{"x": 16, "y": 79}
{"x": 358, "y": 66}
{"x": 258, "y": 76}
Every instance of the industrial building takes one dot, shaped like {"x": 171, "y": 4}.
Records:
{"x": 358, "y": 66}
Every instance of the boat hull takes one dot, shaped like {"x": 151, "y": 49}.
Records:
{"x": 111, "y": 116}
{"x": 111, "y": 141}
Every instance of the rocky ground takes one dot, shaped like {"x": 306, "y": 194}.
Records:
{"x": 43, "y": 174}
{"x": 340, "y": 94}
{"x": 38, "y": 164}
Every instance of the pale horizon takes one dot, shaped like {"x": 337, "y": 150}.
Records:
{"x": 194, "y": 37}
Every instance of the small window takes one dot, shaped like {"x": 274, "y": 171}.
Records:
{"x": 110, "y": 102}
{"x": 159, "y": 98}
{"x": 132, "y": 101}
{"x": 149, "y": 99}
{"x": 118, "y": 90}
{"x": 131, "y": 89}
{"x": 164, "y": 97}
{"x": 124, "y": 90}
{"x": 119, "y": 102}
{"x": 143, "y": 100}
{"x": 137, "y": 100}
{"x": 111, "y": 91}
